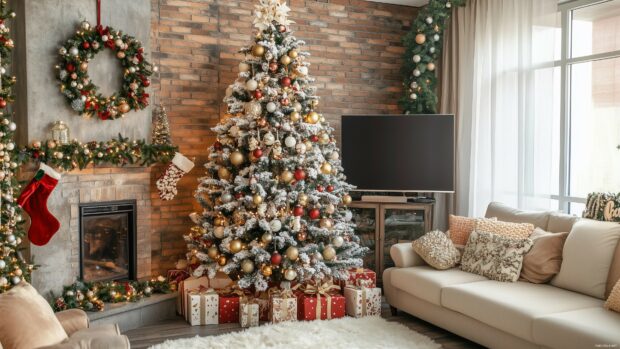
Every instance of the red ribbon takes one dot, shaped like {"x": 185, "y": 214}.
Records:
{"x": 98, "y": 12}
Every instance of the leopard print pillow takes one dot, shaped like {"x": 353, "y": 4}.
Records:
{"x": 495, "y": 256}
{"x": 437, "y": 250}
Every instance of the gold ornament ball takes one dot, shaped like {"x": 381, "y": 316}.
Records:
{"x": 430, "y": 66}
{"x": 330, "y": 208}
{"x": 257, "y": 199}
{"x": 222, "y": 260}
{"x": 294, "y": 116}
{"x": 347, "y": 199}
{"x": 292, "y": 253}
{"x": 223, "y": 173}
{"x": 420, "y": 39}
{"x": 123, "y": 107}
{"x": 312, "y": 117}
{"x": 286, "y": 176}
{"x": 235, "y": 246}
{"x": 266, "y": 238}
{"x": 219, "y": 221}
{"x": 302, "y": 236}
{"x": 324, "y": 138}
{"x": 213, "y": 252}
{"x": 329, "y": 253}
{"x": 218, "y": 232}
{"x": 290, "y": 274}
{"x": 266, "y": 270}
{"x": 247, "y": 266}
{"x": 236, "y": 158}
{"x": 286, "y": 60}
{"x": 302, "y": 199}
{"x": 326, "y": 223}
{"x": 326, "y": 168}
{"x": 293, "y": 54}
{"x": 84, "y": 66}
{"x": 258, "y": 50}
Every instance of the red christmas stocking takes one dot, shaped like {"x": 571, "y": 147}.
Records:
{"x": 33, "y": 200}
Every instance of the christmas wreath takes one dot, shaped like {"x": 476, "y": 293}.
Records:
{"x": 79, "y": 90}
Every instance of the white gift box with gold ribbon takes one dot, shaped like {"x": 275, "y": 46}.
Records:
{"x": 202, "y": 307}
{"x": 362, "y": 301}
{"x": 248, "y": 313}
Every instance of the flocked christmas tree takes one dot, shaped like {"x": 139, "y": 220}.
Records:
{"x": 161, "y": 127}
{"x": 13, "y": 267}
{"x": 274, "y": 196}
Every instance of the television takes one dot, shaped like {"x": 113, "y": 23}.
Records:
{"x": 399, "y": 153}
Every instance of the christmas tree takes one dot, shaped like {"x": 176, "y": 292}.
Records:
{"x": 274, "y": 196}
{"x": 13, "y": 267}
{"x": 161, "y": 127}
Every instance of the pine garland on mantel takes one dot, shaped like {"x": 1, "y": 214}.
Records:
{"x": 423, "y": 45}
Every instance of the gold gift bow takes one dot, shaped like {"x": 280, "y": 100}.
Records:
{"x": 231, "y": 289}
{"x": 323, "y": 289}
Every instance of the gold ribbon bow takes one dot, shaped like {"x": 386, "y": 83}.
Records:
{"x": 325, "y": 289}
{"x": 231, "y": 289}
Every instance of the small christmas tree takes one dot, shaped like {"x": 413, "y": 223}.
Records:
{"x": 274, "y": 195}
{"x": 161, "y": 127}
{"x": 13, "y": 267}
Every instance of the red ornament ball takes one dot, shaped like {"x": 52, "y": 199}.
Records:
{"x": 146, "y": 82}
{"x": 285, "y": 81}
{"x": 298, "y": 211}
{"x": 258, "y": 94}
{"x": 2, "y": 103}
{"x": 258, "y": 152}
{"x": 330, "y": 188}
{"x": 281, "y": 28}
{"x": 320, "y": 188}
{"x": 70, "y": 67}
{"x": 86, "y": 45}
{"x": 314, "y": 213}
{"x": 314, "y": 138}
{"x": 300, "y": 174}
{"x": 273, "y": 66}
{"x": 276, "y": 258}
{"x": 217, "y": 146}
{"x": 238, "y": 195}
{"x": 285, "y": 102}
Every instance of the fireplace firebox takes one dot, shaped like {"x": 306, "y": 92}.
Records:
{"x": 108, "y": 241}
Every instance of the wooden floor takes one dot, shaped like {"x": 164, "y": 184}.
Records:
{"x": 178, "y": 328}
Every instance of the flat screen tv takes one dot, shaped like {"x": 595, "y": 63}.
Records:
{"x": 404, "y": 153}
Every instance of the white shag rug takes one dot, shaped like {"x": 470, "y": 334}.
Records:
{"x": 363, "y": 333}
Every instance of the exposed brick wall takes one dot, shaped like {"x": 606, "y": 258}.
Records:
{"x": 356, "y": 58}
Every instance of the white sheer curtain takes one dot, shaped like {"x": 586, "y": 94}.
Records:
{"x": 500, "y": 82}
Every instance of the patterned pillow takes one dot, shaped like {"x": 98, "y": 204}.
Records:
{"x": 437, "y": 250}
{"x": 494, "y": 256}
{"x": 460, "y": 228}
{"x": 507, "y": 229}
{"x": 613, "y": 301}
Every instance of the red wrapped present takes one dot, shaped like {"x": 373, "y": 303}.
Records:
{"x": 360, "y": 277}
{"x": 320, "y": 301}
{"x": 229, "y": 304}
{"x": 177, "y": 275}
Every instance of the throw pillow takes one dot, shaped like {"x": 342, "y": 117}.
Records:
{"x": 508, "y": 229}
{"x": 613, "y": 302}
{"x": 494, "y": 256}
{"x": 587, "y": 256}
{"x": 614, "y": 271}
{"x": 544, "y": 260}
{"x": 460, "y": 227}
{"x": 437, "y": 250}
{"x": 28, "y": 320}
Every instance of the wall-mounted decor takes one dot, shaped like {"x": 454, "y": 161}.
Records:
{"x": 603, "y": 207}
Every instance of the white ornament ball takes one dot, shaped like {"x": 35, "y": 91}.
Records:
{"x": 330, "y": 208}
{"x": 413, "y": 96}
{"x": 269, "y": 138}
{"x": 429, "y": 20}
{"x": 70, "y": 293}
{"x": 251, "y": 85}
{"x": 85, "y": 25}
{"x": 10, "y": 238}
{"x": 414, "y": 85}
{"x": 348, "y": 216}
{"x": 271, "y": 107}
{"x": 300, "y": 148}
{"x": 334, "y": 155}
{"x": 74, "y": 51}
{"x": 338, "y": 241}
{"x": 10, "y": 146}
{"x": 16, "y": 280}
{"x": 2, "y": 264}
{"x": 417, "y": 58}
{"x": 244, "y": 67}
{"x": 290, "y": 141}
{"x": 430, "y": 66}
{"x": 12, "y": 126}
{"x": 148, "y": 290}
{"x": 436, "y": 37}
{"x": 226, "y": 198}
{"x": 329, "y": 253}
{"x": 118, "y": 43}
{"x": 62, "y": 51}
{"x": 303, "y": 70}
{"x": 448, "y": 4}
{"x": 275, "y": 225}
{"x": 104, "y": 38}
{"x": 73, "y": 84}
{"x": 416, "y": 72}
{"x": 431, "y": 50}
{"x": 3, "y": 281}
{"x": 297, "y": 106}
{"x": 290, "y": 274}
{"x": 218, "y": 232}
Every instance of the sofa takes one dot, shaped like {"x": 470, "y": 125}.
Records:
{"x": 520, "y": 314}
{"x": 28, "y": 322}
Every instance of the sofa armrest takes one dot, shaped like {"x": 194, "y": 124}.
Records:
{"x": 404, "y": 256}
{"x": 72, "y": 320}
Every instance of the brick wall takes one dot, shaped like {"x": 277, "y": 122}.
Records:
{"x": 356, "y": 59}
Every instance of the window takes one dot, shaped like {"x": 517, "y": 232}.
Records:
{"x": 589, "y": 157}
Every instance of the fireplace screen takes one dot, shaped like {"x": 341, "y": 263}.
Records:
{"x": 108, "y": 241}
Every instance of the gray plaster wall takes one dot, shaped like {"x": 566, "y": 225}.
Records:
{"x": 46, "y": 25}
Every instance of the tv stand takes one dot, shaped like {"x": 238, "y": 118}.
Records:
{"x": 384, "y": 199}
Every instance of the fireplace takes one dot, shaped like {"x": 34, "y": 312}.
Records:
{"x": 108, "y": 241}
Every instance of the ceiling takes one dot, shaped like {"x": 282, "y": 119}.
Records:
{"x": 416, "y": 3}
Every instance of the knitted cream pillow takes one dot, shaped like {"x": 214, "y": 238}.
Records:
{"x": 437, "y": 250}
{"x": 613, "y": 301}
{"x": 507, "y": 229}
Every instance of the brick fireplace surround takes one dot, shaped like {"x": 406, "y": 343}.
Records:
{"x": 356, "y": 58}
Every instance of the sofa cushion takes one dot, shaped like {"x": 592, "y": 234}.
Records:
{"x": 437, "y": 250}
{"x": 587, "y": 256}
{"x": 426, "y": 283}
{"x": 512, "y": 307}
{"x": 584, "y": 328}
{"x": 404, "y": 256}
{"x": 509, "y": 214}
{"x": 560, "y": 222}
{"x": 28, "y": 320}
{"x": 494, "y": 256}
{"x": 544, "y": 260}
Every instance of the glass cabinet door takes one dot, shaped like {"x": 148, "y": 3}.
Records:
{"x": 400, "y": 224}
{"x": 366, "y": 219}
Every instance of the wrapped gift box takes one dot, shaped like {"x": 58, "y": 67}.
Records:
{"x": 360, "y": 277}
{"x": 191, "y": 283}
{"x": 362, "y": 301}
{"x": 202, "y": 307}
{"x": 320, "y": 301}
{"x": 282, "y": 306}
{"x": 248, "y": 313}
{"x": 263, "y": 306}
{"x": 229, "y": 309}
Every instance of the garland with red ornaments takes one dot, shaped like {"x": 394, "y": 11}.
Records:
{"x": 82, "y": 93}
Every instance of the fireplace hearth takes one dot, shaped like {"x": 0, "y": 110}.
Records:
{"x": 108, "y": 241}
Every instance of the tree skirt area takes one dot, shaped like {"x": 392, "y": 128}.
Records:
{"x": 363, "y": 333}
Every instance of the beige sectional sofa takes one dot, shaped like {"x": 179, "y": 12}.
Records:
{"x": 511, "y": 315}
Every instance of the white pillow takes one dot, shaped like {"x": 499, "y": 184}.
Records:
{"x": 587, "y": 256}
